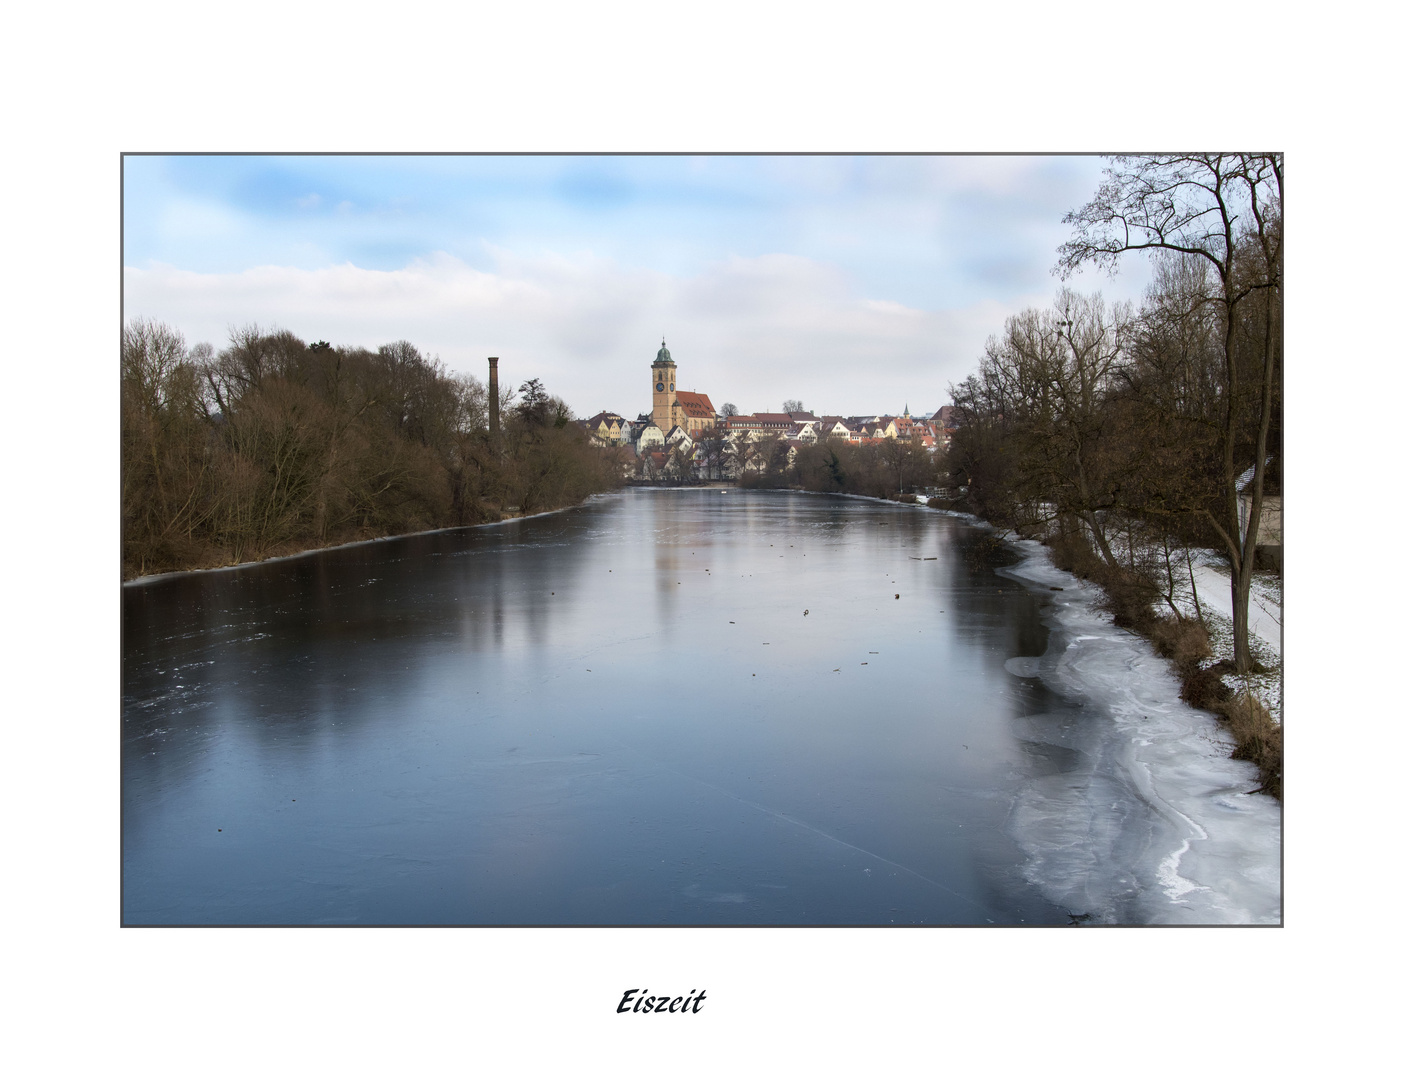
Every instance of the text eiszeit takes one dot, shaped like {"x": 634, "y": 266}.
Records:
{"x": 661, "y": 1004}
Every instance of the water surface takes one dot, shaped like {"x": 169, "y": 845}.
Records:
{"x": 663, "y": 708}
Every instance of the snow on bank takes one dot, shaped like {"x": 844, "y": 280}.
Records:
{"x": 1215, "y": 589}
{"x": 1153, "y": 822}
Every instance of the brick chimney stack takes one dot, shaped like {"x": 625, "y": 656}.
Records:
{"x": 492, "y": 397}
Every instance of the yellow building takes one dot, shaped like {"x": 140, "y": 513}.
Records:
{"x": 672, "y": 407}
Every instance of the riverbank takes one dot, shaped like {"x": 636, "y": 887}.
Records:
{"x": 1194, "y": 632}
{"x": 1211, "y": 851}
{"x": 1200, "y": 648}
{"x": 298, "y": 553}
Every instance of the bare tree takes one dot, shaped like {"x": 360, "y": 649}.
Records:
{"x": 905, "y": 463}
{"x": 1226, "y": 211}
{"x": 274, "y": 444}
{"x": 1042, "y": 399}
{"x": 711, "y": 451}
{"x": 739, "y": 454}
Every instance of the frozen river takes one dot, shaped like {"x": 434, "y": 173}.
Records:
{"x": 669, "y": 708}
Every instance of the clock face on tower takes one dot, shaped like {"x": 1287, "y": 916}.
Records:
{"x": 660, "y": 388}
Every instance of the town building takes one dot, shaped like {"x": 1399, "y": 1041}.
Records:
{"x": 609, "y": 429}
{"x": 672, "y": 407}
{"x": 672, "y": 433}
{"x": 649, "y": 437}
{"x": 947, "y": 416}
{"x": 833, "y": 427}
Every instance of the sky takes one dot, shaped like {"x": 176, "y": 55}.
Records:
{"x": 856, "y": 284}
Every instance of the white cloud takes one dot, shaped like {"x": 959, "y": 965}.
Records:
{"x": 748, "y": 330}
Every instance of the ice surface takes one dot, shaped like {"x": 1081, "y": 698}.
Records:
{"x": 1025, "y": 667}
{"x": 1157, "y": 823}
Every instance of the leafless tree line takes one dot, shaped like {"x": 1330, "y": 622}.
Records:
{"x": 885, "y": 469}
{"x": 273, "y": 445}
{"x": 1158, "y": 423}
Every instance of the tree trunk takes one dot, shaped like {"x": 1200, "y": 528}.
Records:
{"x": 1242, "y": 593}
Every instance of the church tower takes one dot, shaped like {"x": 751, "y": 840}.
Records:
{"x": 665, "y": 387}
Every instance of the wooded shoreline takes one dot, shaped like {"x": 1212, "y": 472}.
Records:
{"x": 273, "y": 447}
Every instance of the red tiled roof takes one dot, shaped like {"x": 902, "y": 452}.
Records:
{"x": 697, "y": 406}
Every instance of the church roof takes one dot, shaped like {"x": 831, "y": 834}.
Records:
{"x": 697, "y": 406}
{"x": 664, "y": 356}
